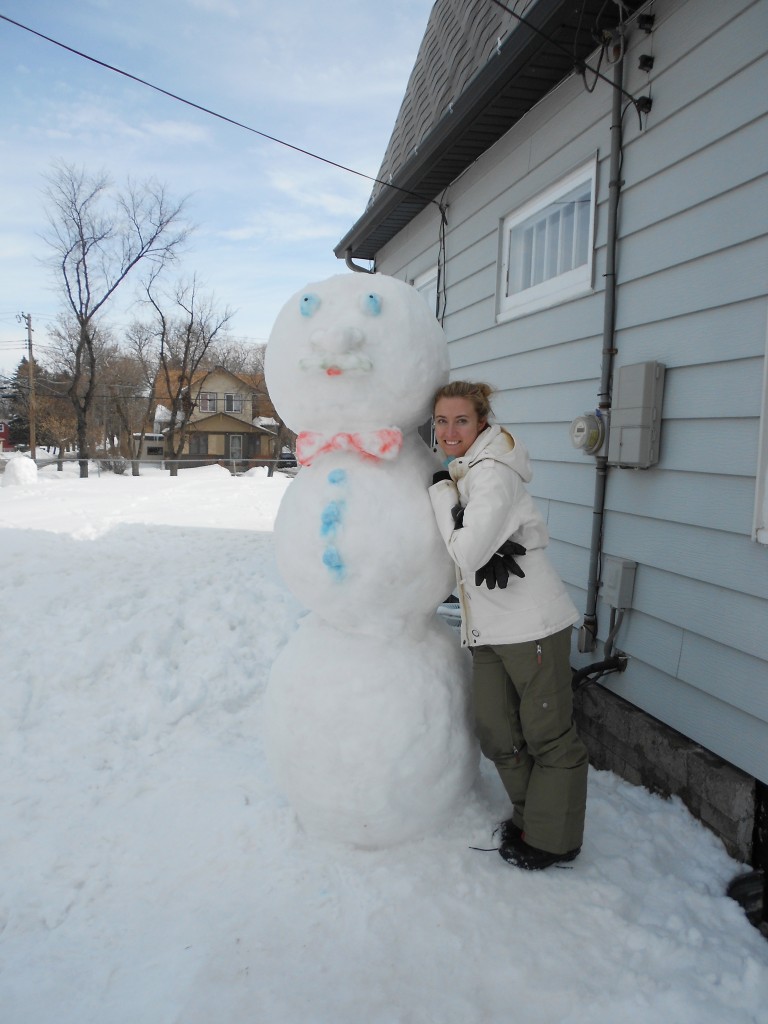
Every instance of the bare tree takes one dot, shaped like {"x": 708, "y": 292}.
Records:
{"x": 239, "y": 357}
{"x": 126, "y": 402}
{"x": 145, "y": 355}
{"x": 55, "y": 416}
{"x": 98, "y": 236}
{"x": 185, "y": 333}
{"x": 73, "y": 384}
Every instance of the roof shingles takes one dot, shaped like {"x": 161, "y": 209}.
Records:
{"x": 478, "y": 70}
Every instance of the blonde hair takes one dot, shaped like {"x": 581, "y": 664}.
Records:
{"x": 478, "y": 394}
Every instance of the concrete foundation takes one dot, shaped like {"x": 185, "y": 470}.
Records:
{"x": 639, "y": 748}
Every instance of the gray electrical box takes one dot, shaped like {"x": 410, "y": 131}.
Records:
{"x": 618, "y": 581}
{"x": 633, "y": 441}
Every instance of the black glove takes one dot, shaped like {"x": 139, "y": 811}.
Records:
{"x": 495, "y": 573}
{"x": 458, "y": 517}
{"x": 441, "y": 474}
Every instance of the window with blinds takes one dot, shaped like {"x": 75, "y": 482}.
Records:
{"x": 547, "y": 246}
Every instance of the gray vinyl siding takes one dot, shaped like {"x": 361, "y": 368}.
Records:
{"x": 692, "y": 278}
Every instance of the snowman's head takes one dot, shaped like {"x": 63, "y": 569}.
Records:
{"x": 355, "y": 352}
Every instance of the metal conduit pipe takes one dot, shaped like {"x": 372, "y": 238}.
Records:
{"x": 588, "y": 633}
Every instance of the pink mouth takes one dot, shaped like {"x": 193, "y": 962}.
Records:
{"x": 333, "y": 371}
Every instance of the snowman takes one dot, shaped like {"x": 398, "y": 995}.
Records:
{"x": 366, "y": 727}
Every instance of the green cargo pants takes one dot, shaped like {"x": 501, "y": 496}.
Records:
{"x": 523, "y": 707}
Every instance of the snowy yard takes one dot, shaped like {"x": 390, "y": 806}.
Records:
{"x": 151, "y": 872}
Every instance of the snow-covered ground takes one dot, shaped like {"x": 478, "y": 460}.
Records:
{"x": 151, "y": 874}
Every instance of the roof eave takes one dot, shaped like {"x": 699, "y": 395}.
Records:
{"x": 432, "y": 167}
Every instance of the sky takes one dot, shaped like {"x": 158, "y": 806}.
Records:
{"x": 153, "y": 870}
{"x": 327, "y": 77}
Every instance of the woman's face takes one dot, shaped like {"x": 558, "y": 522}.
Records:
{"x": 457, "y": 425}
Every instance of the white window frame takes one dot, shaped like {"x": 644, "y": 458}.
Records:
{"x": 559, "y": 287}
{"x": 207, "y": 401}
{"x": 426, "y": 285}
{"x": 232, "y": 401}
{"x": 760, "y": 519}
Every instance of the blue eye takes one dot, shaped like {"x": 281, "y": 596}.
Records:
{"x": 309, "y": 304}
{"x": 371, "y": 303}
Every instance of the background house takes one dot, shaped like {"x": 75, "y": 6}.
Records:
{"x": 152, "y": 447}
{"x": 509, "y": 161}
{"x": 231, "y": 418}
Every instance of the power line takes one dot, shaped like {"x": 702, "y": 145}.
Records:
{"x": 212, "y": 113}
{"x": 642, "y": 104}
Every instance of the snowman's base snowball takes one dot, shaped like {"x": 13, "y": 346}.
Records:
{"x": 370, "y": 738}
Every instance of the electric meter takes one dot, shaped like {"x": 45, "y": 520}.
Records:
{"x": 588, "y": 432}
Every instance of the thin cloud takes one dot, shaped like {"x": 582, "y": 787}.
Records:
{"x": 322, "y": 77}
{"x": 177, "y": 131}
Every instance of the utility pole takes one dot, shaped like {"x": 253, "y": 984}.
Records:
{"x": 27, "y": 318}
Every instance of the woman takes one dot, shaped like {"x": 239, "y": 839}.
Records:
{"x": 517, "y": 624}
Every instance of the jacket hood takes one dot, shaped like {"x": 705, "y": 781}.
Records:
{"x": 498, "y": 444}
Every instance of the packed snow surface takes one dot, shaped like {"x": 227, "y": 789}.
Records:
{"x": 152, "y": 873}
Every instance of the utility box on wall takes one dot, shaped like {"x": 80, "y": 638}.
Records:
{"x": 633, "y": 442}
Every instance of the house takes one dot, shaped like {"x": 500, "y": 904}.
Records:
{"x": 151, "y": 447}
{"x": 586, "y": 206}
{"x": 231, "y": 419}
{"x": 5, "y": 436}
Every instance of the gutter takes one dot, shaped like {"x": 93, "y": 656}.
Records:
{"x": 509, "y": 60}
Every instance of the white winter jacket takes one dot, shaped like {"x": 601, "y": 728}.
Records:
{"x": 489, "y": 482}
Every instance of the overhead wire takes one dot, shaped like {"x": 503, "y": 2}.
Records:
{"x": 213, "y": 113}
{"x": 579, "y": 65}
{"x": 58, "y": 389}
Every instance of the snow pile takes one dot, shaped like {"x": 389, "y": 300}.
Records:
{"x": 20, "y": 471}
{"x": 152, "y": 873}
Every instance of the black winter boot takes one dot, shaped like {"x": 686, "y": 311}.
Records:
{"x": 530, "y": 858}
{"x": 507, "y": 831}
